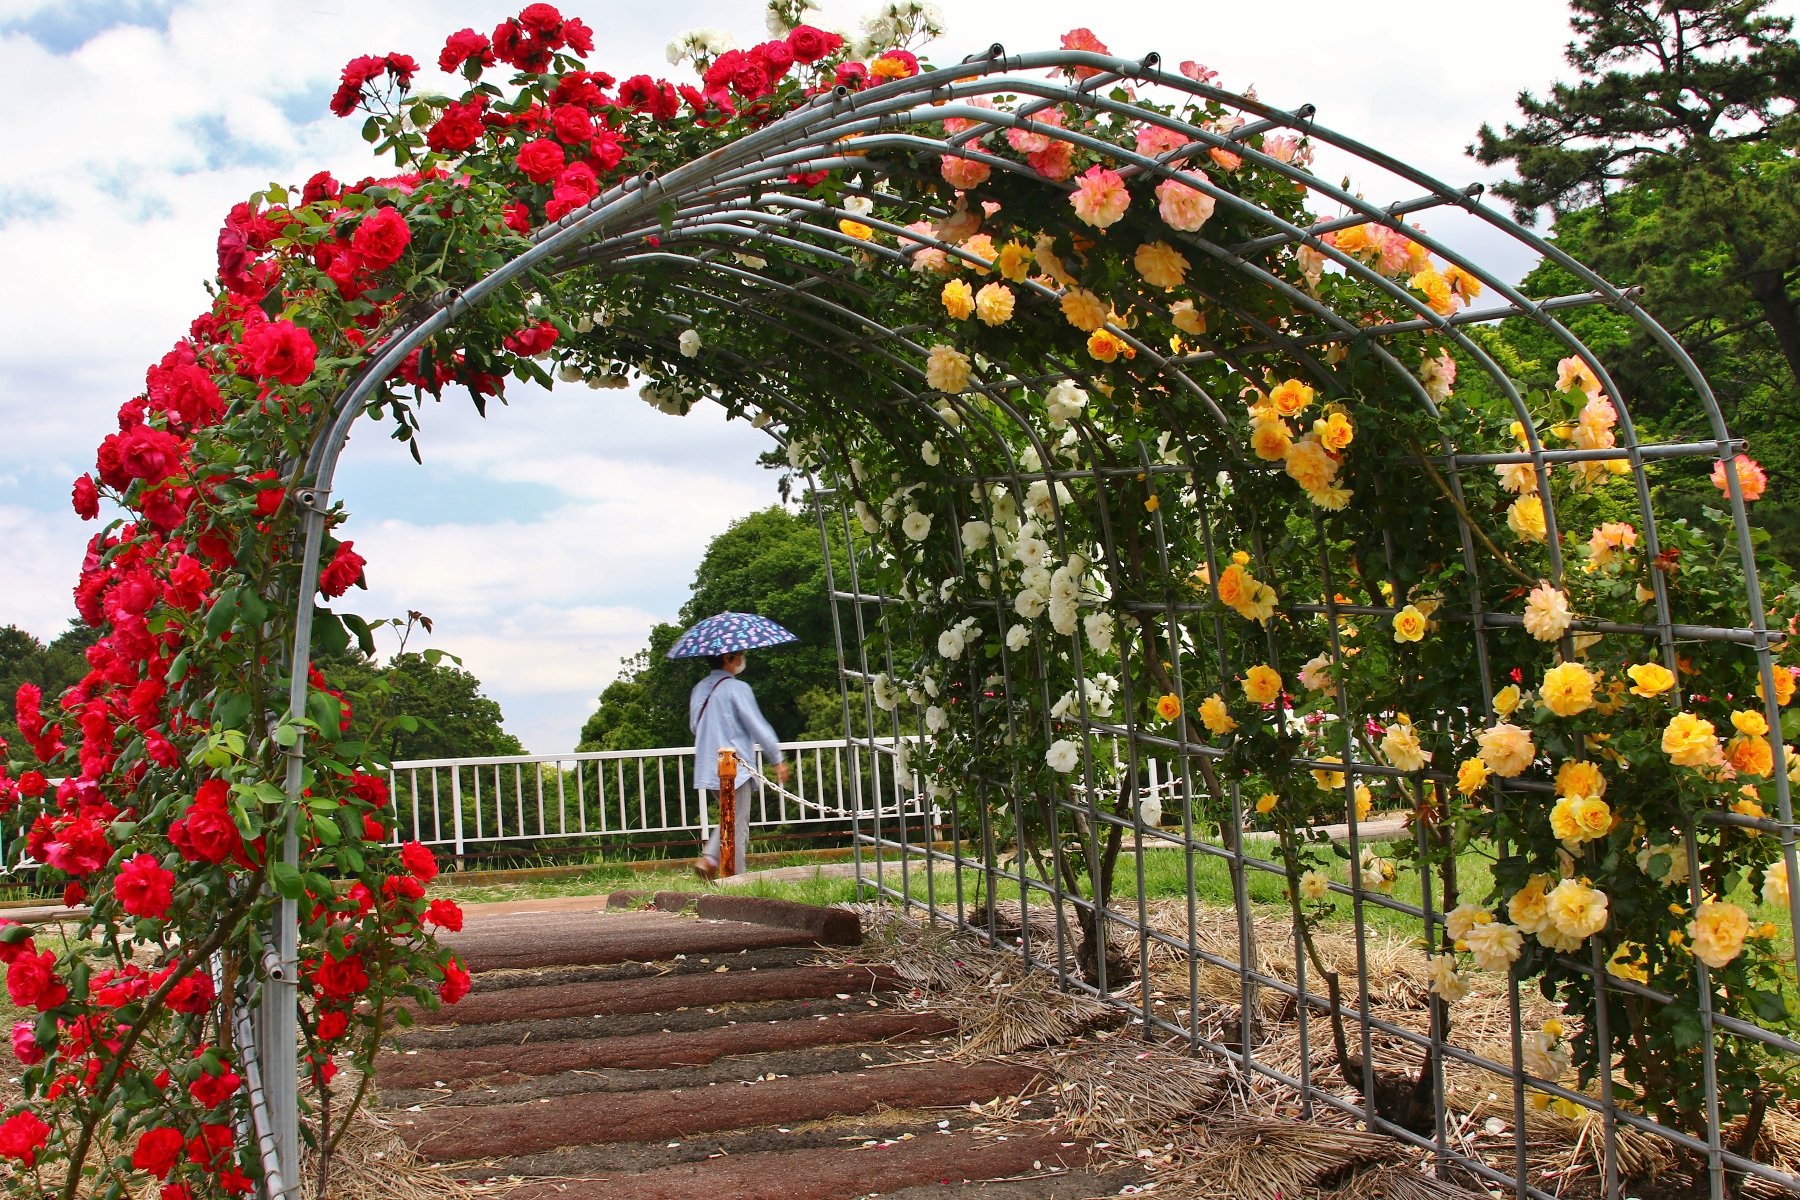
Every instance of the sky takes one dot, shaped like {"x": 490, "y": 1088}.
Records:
{"x": 545, "y": 540}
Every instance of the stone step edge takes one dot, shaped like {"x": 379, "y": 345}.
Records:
{"x": 829, "y": 926}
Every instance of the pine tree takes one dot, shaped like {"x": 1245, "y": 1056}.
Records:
{"x": 1691, "y": 104}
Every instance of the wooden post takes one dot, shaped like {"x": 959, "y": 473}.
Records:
{"x": 727, "y": 812}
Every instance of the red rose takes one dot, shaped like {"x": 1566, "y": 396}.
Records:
{"x": 73, "y": 895}
{"x": 518, "y": 217}
{"x": 21, "y": 1135}
{"x": 25, "y": 1047}
{"x": 25, "y": 709}
{"x": 186, "y": 392}
{"x": 458, "y": 128}
{"x": 160, "y": 750}
{"x": 541, "y": 160}
{"x": 32, "y": 783}
{"x": 445, "y": 913}
{"x": 532, "y": 340}
{"x": 776, "y": 57}
{"x": 278, "y": 350}
{"x": 332, "y": 1026}
{"x": 372, "y": 788}
{"x": 341, "y": 978}
{"x": 656, "y": 97}
{"x": 344, "y": 569}
{"x": 466, "y": 46}
{"x": 605, "y": 150}
{"x": 193, "y": 995}
{"x": 86, "y": 498}
{"x": 147, "y": 453}
{"x": 213, "y": 1090}
{"x": 456, "y": 983}
{"x": 751, "y": 79}
{"x": 723, "y": 68}
{"x": 31, "y": 982}
{"x": 402, "y": 888}
{"x": 373, "y": 829}
{"x": 541, "y": 19}
{"x": 809, "y": 45}
{"x": 381, "y": 238}
{"x": 79, "y": 846}
{"x": 144, "y": 887}
{"x": 419, "y": 860}
{"x": 175, "y": 1191}
{"x": 579, "y": 37}
{"x": 188, "y": 584}
{"x": 212, "y": 1147}
{"x": 207, "y": 832}
{"x": 320, "y": 187}
{"x": 572, "y": 124}
{"x": 13, "y": 950}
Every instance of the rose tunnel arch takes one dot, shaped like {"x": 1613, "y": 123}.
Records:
{"x": 1178, "y": 505}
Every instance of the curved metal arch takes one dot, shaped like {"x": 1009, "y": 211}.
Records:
{"x": 602, "y": 234}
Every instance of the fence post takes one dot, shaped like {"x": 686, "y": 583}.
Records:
{"x": 456, "y": 812}
{"x": 727, "y": 812}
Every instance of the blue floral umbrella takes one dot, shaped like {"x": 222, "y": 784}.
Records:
{"x": 728, "y": 633}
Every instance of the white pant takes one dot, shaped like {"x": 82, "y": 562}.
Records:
{"x": 745, "y": 793}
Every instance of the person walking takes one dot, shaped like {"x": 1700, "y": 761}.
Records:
{"x": 722, "y": 712}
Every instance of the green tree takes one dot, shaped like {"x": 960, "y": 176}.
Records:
{"x": 1690, "y": 107}
{"x": 770, "y": 563}
{"x": 454, "y": 717}
{"x": 54, "y": 668}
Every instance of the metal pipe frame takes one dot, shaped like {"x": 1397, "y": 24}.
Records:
{"x": 737, "y": 200}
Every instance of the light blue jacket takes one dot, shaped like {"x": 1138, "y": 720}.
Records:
{"x": 733, "y": 719}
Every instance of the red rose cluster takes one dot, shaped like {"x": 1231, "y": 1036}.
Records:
{"x": 754, "y": 73}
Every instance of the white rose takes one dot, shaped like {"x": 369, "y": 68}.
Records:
{"x": 936, "y": 718}
{"x": 1064, "y": 402}
{"x": 950, "y": 643}
{"x": 1063, "y": 615}
{"x": 1314, "y": 885}
{"x": 885, "y": 699}
{"x": 1017, "y": 637}
{"x": 689, "y": 342}
{"x": 975, "y": 535}
{"x": 1029, "y": 604}
{"x": 1150, "y": 811}
{"x": 929, "y": 453}
{"x": 917, "y": 526}
{"x": 1037, "y": 579}
{"x": 865, "y": 515}
{"x": 1063, "y": 755}
{"x": 1099, "y": 631}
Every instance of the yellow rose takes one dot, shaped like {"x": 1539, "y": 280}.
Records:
{"x": 1168, "y": 707}
{"x": 1161, "y": 265}
{"x": 947, "y": 369}
{"x": 1751, "y": 756}
{"x": 1401, "y": 748}
{"x": 1718, "y": 931}
{"x": 1547, "y": 613}
{"x": 1579, "y": 779}
{"x": 1235, "y": 586}
{"x": 1262, "y": 684}
{"x": 1291, "y": 397}
{"x": 1651, "y": 679}
{"x": 1749, "y": 721}
{"x": 855, "y": 229}
{"x": 1328, "y": 779}
{"x": 1577, "y": 910}
{"x": 1409, "y": 625}
{"x": 1529, "y": 907}
{"x": 1215, "y": 716}
{"x": 1187, "y": 318}
{"x": 959, "y": 299}
{"x": 1271, "y": 440}
{"x": 1748, "y": 808}
{"x": 1106, "y": 347}
{"x": 1784, "y": 686}
{"x": 1310, "y": 466}
{"x": 1508, "y": 699}
{"x": 1241, "y": 557}
{"x": 1526, "y": 518}
{"x": 1775, "y": 884}
{"x": 1014, "y": 262}
{"x": 1267, "y": 803}
{"x": 1506, "y": 749}
{"x": 1083, "y": 309}
{"x": 1568, "y": 689}
{"x": 1364, "y": 801}
{"x": 1471, "y": 776}
{"x": 1580, "y": 818}
{"x": 1335, "y": 432}
{"x": 994, "y": 304}
{"x": 1690, "y": 742}
{"x": 1629, "y": 962}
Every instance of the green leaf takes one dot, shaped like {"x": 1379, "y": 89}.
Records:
{"x": 177, "y": 669}
{"x": 327, "y": 829}
{"x": 329, "y": 635}
{"x": 231, "y": 711}
{"x": 326, "y": 710}
{"x": 365, "y": 637}
{"x": 285, "y": 734}
{"x": 218, "y": 618}
{"x": 371, "y": 129}
{"x": 251, "y": 609}
{"x": 287, "y": 880}
{"x": 402, "y": 1018}
{"x": 665, "y": 215}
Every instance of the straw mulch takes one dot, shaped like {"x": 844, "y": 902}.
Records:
{"x": 1199, "y": 1126}
{"x": 372, "y": 1163}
